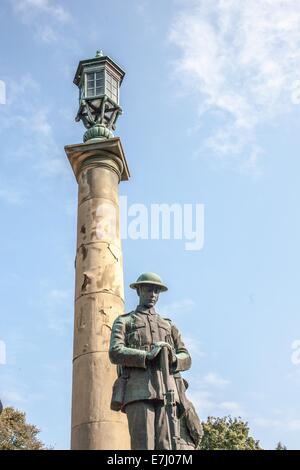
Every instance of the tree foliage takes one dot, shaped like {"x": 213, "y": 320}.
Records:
{"x": 219, "y": 433}
{"x": 16, "y": 434}
{"x": 227, "y": 434}
{"x": 280, "y": 446}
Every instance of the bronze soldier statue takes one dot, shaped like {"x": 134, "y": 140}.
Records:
{"x": 150, "y": 354}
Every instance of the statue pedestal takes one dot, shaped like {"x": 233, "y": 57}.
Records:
{"x": 98, "y": 166}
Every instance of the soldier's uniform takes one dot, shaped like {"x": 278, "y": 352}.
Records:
{"x": 133, "y": 335}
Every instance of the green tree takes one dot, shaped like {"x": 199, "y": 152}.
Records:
{"x": 227, "y": 434}
{"x": 16, "y": 434}
{"x": 280, "y": 446}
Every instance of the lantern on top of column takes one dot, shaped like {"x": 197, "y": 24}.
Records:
{"x": 99, "y": 81}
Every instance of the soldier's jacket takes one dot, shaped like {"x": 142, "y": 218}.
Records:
{"x": 133, "y": 334}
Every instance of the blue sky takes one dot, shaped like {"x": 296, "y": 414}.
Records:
{"x": 211, "y": 116}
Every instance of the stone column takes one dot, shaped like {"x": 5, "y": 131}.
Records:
{"x": 99, "y": 295}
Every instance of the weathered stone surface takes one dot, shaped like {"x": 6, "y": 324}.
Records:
{"x": 101, "y": 216}
{"x": 99, "y": 269}
{"x": 109, "y": 151}
{"x": 99, "y": 294}
{"x": 94, "y": 316}
{"x": 94, "y": 371}
{"x": 99, "y": 434}
{"x": 98, "y": 183}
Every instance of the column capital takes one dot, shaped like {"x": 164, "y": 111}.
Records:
{"x": 107, "y": 153}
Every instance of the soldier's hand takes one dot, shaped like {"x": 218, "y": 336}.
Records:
{"x": 172, "y": 356}
{"x": 153, "y": 353}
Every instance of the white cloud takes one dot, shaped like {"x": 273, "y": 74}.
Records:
{"x": 2, "y": 352}
{"x": 47, "y": 34}
{"x": 60, "y": 294}
{"x": 209, "y": 396}
{"x": 203, "y": 402}
{"x": 36, "y": 144}
{"x": 240, "y": 60}
{"x": 44, "y": 16}
{"x": 55, "y": 301}
{"x": 143, "y": 9}
{"x": 232, "y": 408}
{"x": 178, "y": 306}
{"x": 266, "y": 422}
{"x": 291, "y": 424}
{"x": 71, "y": 208}
{"x": 51, "y": 167}
{"x": 183, "y": 307}
{"x": 18, "y": 90}
{"x": 215, "y": 380}
{"x": 11, "y": 195}
{"x": 142, "y": 6}
{"x": 208, "y": 403}
{"x": 2, "y": 92}
{"x": 40, "y": 124}
{"x": 194, "y": 346}
{"x": 28, "y": 9}
{"x": 12, "y": 397}
{"x": 60, "y": 322}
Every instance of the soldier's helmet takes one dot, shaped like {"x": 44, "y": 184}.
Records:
{"x": 149, "y": 278}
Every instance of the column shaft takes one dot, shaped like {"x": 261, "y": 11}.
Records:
{"x": 99, "y": 298}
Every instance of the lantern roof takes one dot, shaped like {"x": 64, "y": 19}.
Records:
{"x": 98, "y": 60}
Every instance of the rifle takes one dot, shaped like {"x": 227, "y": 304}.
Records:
{"x": 169, "y": 401}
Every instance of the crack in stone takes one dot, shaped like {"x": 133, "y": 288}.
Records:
{"x": 108, "y": 246}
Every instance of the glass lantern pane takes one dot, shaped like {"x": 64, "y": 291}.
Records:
{"x": 90, "y": 92}
{"x": 111, "y": 87}
{"x": 94, "y": 83}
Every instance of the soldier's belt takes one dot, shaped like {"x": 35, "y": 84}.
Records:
{"x": 146, "y": 347}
